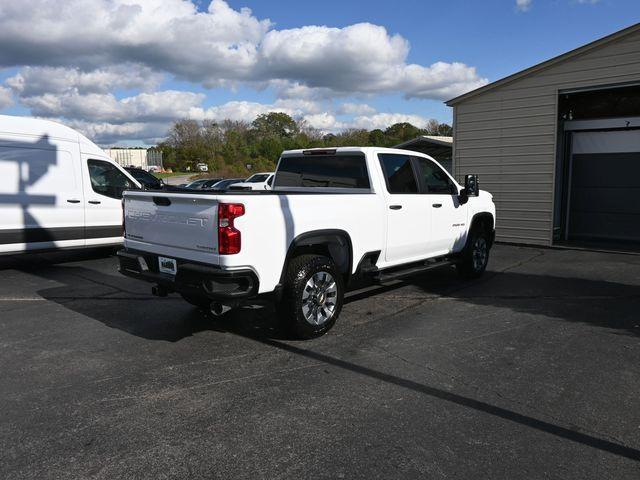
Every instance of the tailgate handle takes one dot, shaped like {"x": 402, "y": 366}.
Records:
{"x": 162, "y": 201}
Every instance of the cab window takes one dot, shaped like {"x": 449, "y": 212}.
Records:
{"x": 433, "y": 179}
{"x": 107, "y": 179}
{"x": 398, "y": 173}
{"x": 335, "y": 171}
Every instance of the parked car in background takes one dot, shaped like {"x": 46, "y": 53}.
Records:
{"x": 147, "y": 180}
{"x": 57, "y": 188}
{"x": 153, "y": 169}
{"x": 202, "y": 167}
{"x": 375, "y": 213}
{"x": 257, "y": 181}
{"x": 202, "y": 183}
{"x": 224, "y": 184}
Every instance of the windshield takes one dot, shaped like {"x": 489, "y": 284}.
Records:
{"x": 195, "y": 183}
{"x": 143, "y": 176}
{"x": 257, "y": 178}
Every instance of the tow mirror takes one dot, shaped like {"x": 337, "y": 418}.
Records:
{"x": 471, "y": 188}
{"x": 471, "y": 185}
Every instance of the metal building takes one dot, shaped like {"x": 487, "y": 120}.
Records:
{"x": 136, "y": 157}
{"x": 558, "y": 145}
{"x": 438, "y": 147}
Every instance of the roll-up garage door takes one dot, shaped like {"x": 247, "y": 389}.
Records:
{"x": 604, "y": 200}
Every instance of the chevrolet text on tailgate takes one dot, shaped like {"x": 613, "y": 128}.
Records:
{"x": 334, "y": 216}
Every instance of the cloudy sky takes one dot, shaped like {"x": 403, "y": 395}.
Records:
{"x": 122, "y": 70}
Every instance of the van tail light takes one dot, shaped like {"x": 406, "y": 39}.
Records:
{"x": 229, "y": 238}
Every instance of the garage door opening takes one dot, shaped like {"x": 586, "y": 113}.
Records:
{"x": 598, "y": 174}
{"x": 604, "y": 187}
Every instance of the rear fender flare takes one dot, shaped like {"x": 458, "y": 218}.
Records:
{"x": 336, "y": 243}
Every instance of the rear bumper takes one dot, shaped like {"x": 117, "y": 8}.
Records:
{"x": 191, "y": 278}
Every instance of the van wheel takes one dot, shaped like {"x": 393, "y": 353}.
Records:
{"x": 312, "y": 296}
{"x": 199, "y": 301}
{"x": 475, "y": 256}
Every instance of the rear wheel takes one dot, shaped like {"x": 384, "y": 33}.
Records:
{"x": 312, "y": 297}
{"x": 199, "y": 301}
{"x": 475, "y": 256}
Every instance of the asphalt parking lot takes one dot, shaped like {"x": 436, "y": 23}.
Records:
{"x": 532, "y": 371}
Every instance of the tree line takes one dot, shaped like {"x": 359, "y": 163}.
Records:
{"x": 232, "y": 148}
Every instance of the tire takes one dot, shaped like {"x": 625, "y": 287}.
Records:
{"x": 312, "y": 296}
{"x": 475, "y": 256}
{"x": 199, "y": 301}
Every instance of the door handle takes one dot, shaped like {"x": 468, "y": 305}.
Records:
{"x": 395, "y": 207}
{"x": 436, "y": 205}
{"x": 73, "y": 200}
{"x": 94, "y": 202}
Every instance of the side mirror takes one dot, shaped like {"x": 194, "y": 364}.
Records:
{"x": 471, "y": 185}
{"x": 471, "y": 188}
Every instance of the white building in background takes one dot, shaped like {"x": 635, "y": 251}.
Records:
{"x": 136, "y": 157}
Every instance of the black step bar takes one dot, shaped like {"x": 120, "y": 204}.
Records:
{"x": 395, "y": 273}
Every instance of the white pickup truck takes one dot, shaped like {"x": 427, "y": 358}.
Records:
{"x": 333, "y": 216}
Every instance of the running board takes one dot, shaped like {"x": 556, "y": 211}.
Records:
{"x": 383, "y": 276}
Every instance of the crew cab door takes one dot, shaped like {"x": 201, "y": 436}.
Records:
{"x": 103, "y": 185}
{"x": 408, "y": 215}
{"x": 448, "y": 215}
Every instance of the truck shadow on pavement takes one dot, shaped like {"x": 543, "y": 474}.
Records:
{"x": 125, "y": 305}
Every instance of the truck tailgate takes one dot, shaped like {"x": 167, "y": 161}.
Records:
{"x": 176, "y": 224}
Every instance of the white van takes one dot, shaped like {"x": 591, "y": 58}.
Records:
{"x": 57, "y": 188}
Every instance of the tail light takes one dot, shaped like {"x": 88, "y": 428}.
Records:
{"x": 229, "y": 238}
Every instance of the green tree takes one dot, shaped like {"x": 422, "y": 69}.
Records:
{"x": 275, "y": 124}
{"x": 377, "y": 138}
{"x": 401, "y": 132}
{"x": 228, "y": 146}
{"x": 445, "y": 130}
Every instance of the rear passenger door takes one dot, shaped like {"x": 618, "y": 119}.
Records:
{"x": 448, "y": 216}
{"x": 408, "y": 215}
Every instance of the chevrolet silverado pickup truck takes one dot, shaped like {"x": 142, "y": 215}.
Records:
{"x": 334, "y": 216}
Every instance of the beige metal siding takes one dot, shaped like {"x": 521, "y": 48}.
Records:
{"x": 507, "y": 135}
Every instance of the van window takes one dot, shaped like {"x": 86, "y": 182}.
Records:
{"x": 433, "y": 178}
{"x": 338, "y": 171}
{"x": 107, "y": 179}
{"x": 398, "y": 173}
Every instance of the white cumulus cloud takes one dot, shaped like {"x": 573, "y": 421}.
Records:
{"x": 152, "y": 107}
{"x": 523, "y": 5}
{"x": 383, "y": 120}
{"x": 101, "y": 65}
{"x": 219, "y": 47}
{"x": 33, "y": 81}
{"x": 6, "y": 98}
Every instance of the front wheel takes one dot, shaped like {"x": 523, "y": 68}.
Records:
{"x": 474, "y": 258}
{"x": 312, "y": 297}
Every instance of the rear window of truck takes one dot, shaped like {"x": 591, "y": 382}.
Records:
{"x": 338, "y": 171}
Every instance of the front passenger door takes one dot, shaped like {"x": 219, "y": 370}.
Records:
{"x": 104, "y": 184}
{"x": 448, "y": 215}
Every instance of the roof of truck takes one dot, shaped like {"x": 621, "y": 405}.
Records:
{"x": 333, "y": 150}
